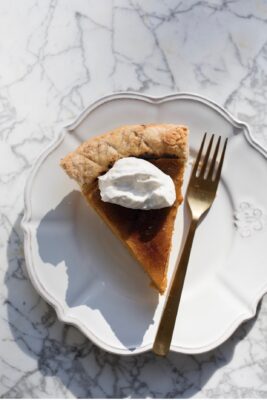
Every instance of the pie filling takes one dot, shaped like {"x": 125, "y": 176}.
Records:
{"x": 146, "y": 233}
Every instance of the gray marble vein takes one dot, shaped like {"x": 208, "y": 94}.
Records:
{"x": 56, "y": 57}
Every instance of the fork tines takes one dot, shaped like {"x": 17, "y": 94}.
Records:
{"x": 205, "y": 167}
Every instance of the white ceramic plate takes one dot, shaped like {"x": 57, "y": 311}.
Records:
{"x": 79, "y": 267}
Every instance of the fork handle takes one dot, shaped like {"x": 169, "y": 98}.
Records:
{"x": 166, "y": 326}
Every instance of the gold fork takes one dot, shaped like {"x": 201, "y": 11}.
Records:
{"x": 200, "y": 196}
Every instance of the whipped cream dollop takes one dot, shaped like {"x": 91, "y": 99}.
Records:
{"x": 138, "y": 184}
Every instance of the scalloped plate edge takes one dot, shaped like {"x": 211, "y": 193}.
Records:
{"x": 61, "y": 314}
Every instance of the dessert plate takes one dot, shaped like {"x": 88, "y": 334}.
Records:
{"x": 84, "y": 272}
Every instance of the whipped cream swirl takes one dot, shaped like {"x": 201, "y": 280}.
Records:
{"x": 138, "y": 184}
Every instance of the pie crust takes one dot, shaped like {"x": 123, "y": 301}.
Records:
{"x": 146, "y": 233}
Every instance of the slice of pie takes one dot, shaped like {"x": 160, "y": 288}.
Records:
{"x": 146, "y": 233}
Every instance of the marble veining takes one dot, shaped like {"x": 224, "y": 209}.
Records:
{"x": 56, "y": 57}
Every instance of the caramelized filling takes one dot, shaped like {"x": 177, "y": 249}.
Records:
{"x": 147, "y": 233}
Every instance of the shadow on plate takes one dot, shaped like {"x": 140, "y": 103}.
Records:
{"x": 101, "y": 275}
{"x": 62, "y": 352}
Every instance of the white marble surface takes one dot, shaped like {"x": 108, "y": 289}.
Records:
{"x": 55, "y": 57}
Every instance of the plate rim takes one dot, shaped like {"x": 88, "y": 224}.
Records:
{"x": 39, "y": 287}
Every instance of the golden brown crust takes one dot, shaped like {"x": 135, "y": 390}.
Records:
{"x": 146, "y": 234}
{"x": 96, "y": 155}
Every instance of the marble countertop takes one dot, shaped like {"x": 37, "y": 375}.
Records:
{"x": 56, "y": 57}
